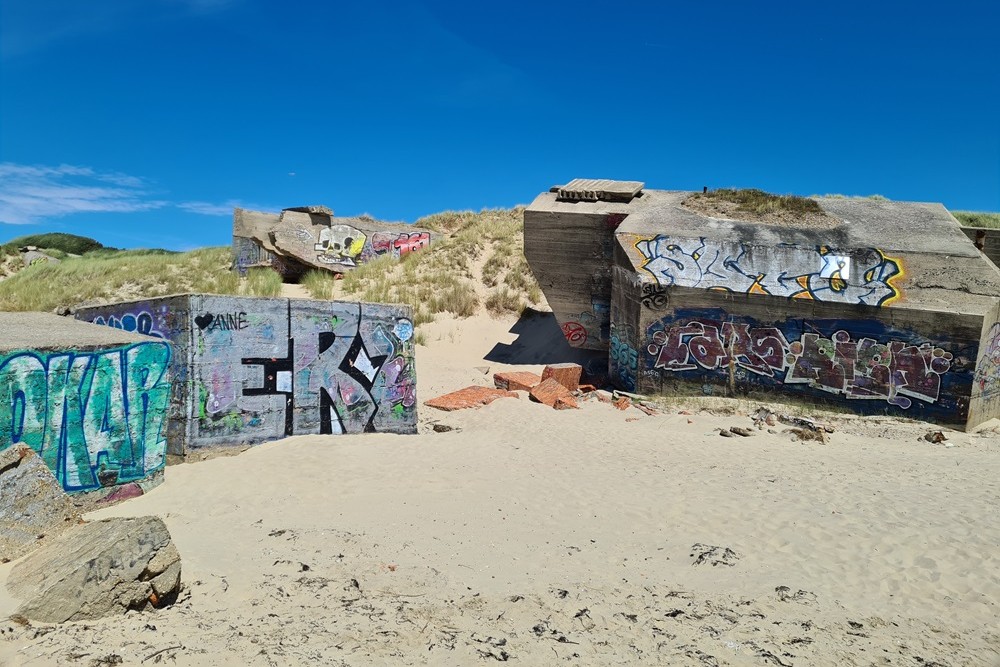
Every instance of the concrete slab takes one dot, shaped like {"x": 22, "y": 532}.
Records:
{"x": 46, "y": 331}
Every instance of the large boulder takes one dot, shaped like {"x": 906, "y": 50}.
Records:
{"x": 32, "y": 503}
{"x": 98, "y": 569}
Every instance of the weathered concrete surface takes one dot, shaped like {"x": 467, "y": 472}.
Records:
{"x": 89, "y": 400}
{"x": 254, "y": 369}
{"x": 32, "y": 504}
{"x": 889, "y": 309}
{"x": 98, "y": 569}
{"x": 470, "y": 397}
{"x": 301, "y": 238}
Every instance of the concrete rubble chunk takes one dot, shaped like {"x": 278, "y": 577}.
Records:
{"x": 549, "y": 391}
{"x": 516, "y": 380}
{"x": 98, "y": 569}
{"x": 470, "y": 397}
{"x": 568, "y": 375}
{"x": 32, "y": 503}
{"x": 600, "y": 189}
{"x": 566, "y": 403}
{"x": 315, "y": 210}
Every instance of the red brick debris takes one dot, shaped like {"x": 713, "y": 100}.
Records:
{"x": 623, "y": 403}
{"x": 516, "y": 380}
{"x": 470, "y": 397}
{"x": 566, "y": 403}
{"x": 549, "y": 391}
{"x": 568, "y": 375}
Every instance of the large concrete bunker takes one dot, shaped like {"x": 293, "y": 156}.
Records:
{"x": 886, "y": 307}
{"x": 253, "y": 369}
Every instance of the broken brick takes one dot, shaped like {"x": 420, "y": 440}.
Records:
{"x": 623, "y": 403}
{"x": 516, "y": 380}
{"x": 470, "y": 397}
{"x": 568, "y": 375}
{"x": 549, "y": 391}
{"x": 566, "y": 403}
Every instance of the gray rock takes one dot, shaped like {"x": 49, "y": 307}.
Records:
{"x": 33, "y": 503}
{"x": 98, "y": 569}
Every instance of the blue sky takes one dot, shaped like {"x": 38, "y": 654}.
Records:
{"x": 142, "y": 123}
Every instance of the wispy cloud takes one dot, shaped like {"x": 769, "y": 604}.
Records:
{"x": 219, "y": 210}
{"x": 31, "y": 193}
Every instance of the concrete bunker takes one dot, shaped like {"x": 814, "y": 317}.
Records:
{"x": 890, "y": 308}
{"x": 91, "y": 402}
{"x": 252, "y": 369}
{"x": 311, "y": 237}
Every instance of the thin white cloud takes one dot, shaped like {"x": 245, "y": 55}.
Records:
{"x": 32, "y": 193}
{"x": 225, "y": 209}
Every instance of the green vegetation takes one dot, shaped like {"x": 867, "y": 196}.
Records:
{"x": 107, "y": 275}
{"x": 68, "y": 243}
{"x": 978, "y": 219}
{"x": 473, "y": 248}
{"x": 757, "y": 201}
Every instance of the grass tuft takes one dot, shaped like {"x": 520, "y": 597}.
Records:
{"x": 978, "y": 219}
{"x": 759, "y": 202}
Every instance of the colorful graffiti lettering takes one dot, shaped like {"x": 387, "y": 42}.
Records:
{"x": 895, "y": 371}
{"x": 400, "y": 245}
{"x": 864, "y": 277}
{"x": 623, "y": 359}
{"x": 987, "y": 377}
{"x": 141, "y": 322}
{"x": 340, "y": 244}
{"x": 95, "y": 418}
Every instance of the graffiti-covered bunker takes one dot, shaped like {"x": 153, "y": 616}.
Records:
{"x": 249, "y": 370}
{"x": 881, "y": 306}
{"x": 311, "y": 237}
{"x": 91, "y": 402}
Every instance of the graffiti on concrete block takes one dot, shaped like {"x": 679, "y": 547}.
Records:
{"x": 400, "y": 244}
{"x": 96, "y": 418}
{"x": 863, "y": 277}
{"x": 623, "y": 358}
{"x": 818, "y": 355}
{"x": 987, "y": 378}
{"x": 140, "y": 322}
{"x": 340, "y": 244}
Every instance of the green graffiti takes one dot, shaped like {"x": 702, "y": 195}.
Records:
{"x": 95, "y": 418}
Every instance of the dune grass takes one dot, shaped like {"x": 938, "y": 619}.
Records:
{"x": 978, "y": 219}
{"x": 105, "y": 276}
{"x": 759, "y": 202}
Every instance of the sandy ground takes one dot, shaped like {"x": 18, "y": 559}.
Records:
{"x": 587, "y": 537}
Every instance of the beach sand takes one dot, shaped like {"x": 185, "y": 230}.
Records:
{"x": 586, "y": 537}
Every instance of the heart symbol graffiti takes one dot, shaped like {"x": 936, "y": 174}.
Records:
{"x": 204, "y": 320}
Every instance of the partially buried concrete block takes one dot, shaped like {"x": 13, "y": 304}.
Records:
{"x": 568, "y": 375}
{"x": 92, "y": 402}
{"x": 549, "y": 391}
{"x": 255, "y": 369}
{"x": 98, "y": 569}
{"x": 32, "y": 504}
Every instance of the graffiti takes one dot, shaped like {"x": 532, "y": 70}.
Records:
{"x": 897, "y": 372}
{"x": 623, "y": 358}
{"x": 96, "y": 418}
{"x": 987, "y": 376}
{"x": 575, "y": 334}
{"x": 227, "y": 321}
{"x": 400, "y": 245}
{"x": 864, "y": 277}
{"x": 340, "y": 244}
{"x": 654, "y": 296}
{"x": 141, "y": 323}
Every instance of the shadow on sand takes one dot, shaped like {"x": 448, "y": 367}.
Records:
{"x": 541, "y": 341}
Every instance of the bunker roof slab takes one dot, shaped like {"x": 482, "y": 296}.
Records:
{"x": 46, "y": 331}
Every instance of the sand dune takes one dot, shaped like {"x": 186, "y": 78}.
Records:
{"x": 588, "y": 537}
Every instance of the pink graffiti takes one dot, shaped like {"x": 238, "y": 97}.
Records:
{"x": 400, "y": 245}
{"x": 863, "y": 369}
{"x": 988, "y": 368}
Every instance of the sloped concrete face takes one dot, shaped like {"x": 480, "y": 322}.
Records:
{"x": 91, "y": 402}
{"x": 260, "y": 369}
{"x": 889, "y": 309}
{"x": 299, "y": 239}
